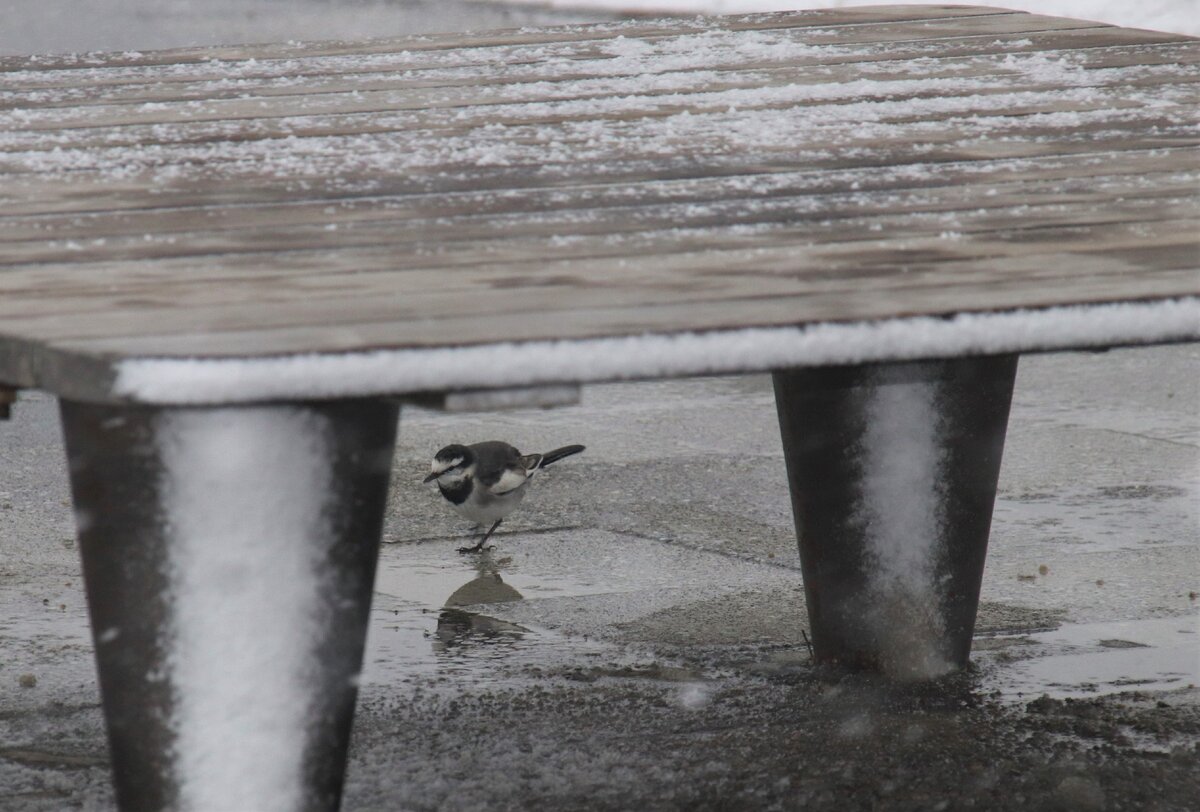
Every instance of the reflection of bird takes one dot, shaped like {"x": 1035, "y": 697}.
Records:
{"x": 457, "y": 628}
{"x": 486, "y": 481}
{"x": 487, "y": 588}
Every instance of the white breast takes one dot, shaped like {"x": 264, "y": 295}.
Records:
{"x": 486, "y": 509}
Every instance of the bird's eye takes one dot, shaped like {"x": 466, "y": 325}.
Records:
{"x": 441, "y": 467}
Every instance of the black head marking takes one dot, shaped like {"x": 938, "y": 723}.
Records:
{"x": 454, "y": 459}
{"x": 454, "y": 455}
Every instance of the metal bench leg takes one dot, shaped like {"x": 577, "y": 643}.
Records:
{"x": 229, "y": 556}
{"x": 893, "y": 471}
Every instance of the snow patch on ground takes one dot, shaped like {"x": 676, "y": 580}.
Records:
{"x": 399, "y": 371}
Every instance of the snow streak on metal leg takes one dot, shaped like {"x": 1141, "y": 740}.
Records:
{"x": 893, "y": 471}
{"x": 229, "y": 555}
{"x": 901, "y": 507}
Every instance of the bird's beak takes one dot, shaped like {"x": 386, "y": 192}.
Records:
{"x": 430, "y": 478}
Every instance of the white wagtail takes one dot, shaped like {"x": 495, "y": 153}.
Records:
{"x": 486, "y": 481}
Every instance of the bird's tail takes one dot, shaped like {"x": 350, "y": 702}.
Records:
{"x": 558, "y": 453}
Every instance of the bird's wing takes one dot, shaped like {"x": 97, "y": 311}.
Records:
{"x": 492, "y": 460}
{"x": 532, "y": 462}
{"x": 510, "y": 480}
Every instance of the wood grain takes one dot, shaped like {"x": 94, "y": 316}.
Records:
{"x": 360, "y": 112}
{"x": 564, "y": 228}
{"x": 560, "y": 62}
{"x": 489, "y": 83}
{"x": 953, "y": 183}
{"x": 744, "y": 269}
{"x": 585, "y": 182}
{"x": 821, "y": 18}
{"x": 458, "y": 88}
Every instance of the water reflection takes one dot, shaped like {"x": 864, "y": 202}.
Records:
{"x": 459, "y": 628}
{"x": 486, "y": 587}
{"x": 435, "y": 616}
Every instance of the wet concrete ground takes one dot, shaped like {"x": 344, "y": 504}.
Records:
{"x": 635, "y": 640}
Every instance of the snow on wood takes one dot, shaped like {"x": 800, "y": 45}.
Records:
{"x": 195, "y": 381}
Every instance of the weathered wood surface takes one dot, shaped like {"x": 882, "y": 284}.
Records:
{"x": 586, "y": 182}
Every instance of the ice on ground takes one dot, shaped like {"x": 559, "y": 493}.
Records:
{"x": 1093, "y": 659}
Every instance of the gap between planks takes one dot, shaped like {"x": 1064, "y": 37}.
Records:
{"x": 1046, "y": 100}
{"x": 362, "y": 116}
{"x": 1133, "y": 257}
{"x": 1036, "y": 202}
{"x": 804, "y": 188}
{"x": 125, "y": 197}
{"x": 254, "y": 109}
{"x": 268, "y": 52}
{"x": 571, "y": 65}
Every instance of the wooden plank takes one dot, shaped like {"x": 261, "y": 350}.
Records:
{"x": 416, "y": 64}
{"x": 510, "y": 80}
{"x": 935, "y": 187}
{"x": 265, "y": 52}
{"x": 116, "y": 212}
{"x": 485, "y": 267}
{"x": 172, "y": 111}
{"x": 481, "y": 124}
{"x": 613, "y": 217}
{"x": 355, "y": 332}
{"x": 80, "y": 193}
{"x": 1010, "y": 34}
{"x": 490, "y": 262}
{"x": 965, "y": 114}
{"x": 82, "y": 369}
{"x": 355, "y": 112}
{"x": 393, "y": 146}
{"x": 491, "y": 400}
{"x": 415, "y": 236}
{"x": 948, "y": 145}
{"x": 423, "y": 316}
{"x": 489, "y": 86}
{"x": 1048, "y": 261}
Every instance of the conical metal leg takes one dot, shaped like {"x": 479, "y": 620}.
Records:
{"x": 893, "y": 471}
{"x": 229, "y": 556}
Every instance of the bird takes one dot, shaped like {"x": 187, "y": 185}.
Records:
{"x": 487, "y": 481}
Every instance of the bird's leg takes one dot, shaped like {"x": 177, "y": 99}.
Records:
{"x": 479, "y": 547}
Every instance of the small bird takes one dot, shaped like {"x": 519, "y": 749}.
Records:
{"x": 486, "y": 481}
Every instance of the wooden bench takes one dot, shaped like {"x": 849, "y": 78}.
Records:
{"x": 232, "y": 264}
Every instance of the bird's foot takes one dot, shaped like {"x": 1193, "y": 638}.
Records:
{"x": 478, "y": 548}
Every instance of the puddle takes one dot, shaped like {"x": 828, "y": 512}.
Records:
{"x": 1093, "y": 659}
{"x": 577, "y": 600}
{"x": 560, "y": 600}
{"x": 430, "y": 617}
